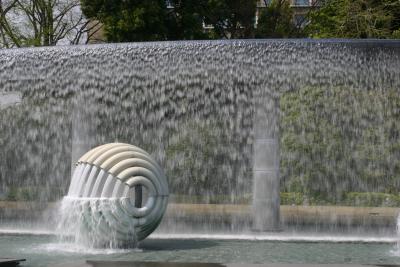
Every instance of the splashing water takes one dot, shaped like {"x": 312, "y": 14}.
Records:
{"x": 82, "y": 222}
{"x": 107, "y": 193}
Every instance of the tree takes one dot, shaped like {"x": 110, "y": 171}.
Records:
{"x": 150, "y": 20}
{"x": 131, "y": 20}
{"x": 356, "y": 19}
{"x": 43, "y": 23}
{"x": 231, "y": 19}
{"x": 276, "y": 20}
{"x": 185, "y": 20}
{"x": 227, "y": 19}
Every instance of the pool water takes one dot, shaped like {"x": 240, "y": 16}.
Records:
{"x": 45, "y": 250}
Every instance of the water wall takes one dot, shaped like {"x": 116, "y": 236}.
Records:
{"x": 203, "y": 111}
{"x": 396, "y": 250}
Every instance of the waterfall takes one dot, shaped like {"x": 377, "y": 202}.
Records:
{"x": 195, "y": 106}
{"x": 398, "y": 235}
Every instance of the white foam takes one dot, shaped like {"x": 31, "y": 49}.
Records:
{"x": 396, "y": 251}
{"x": 75, "y": 248}
{"x": 27, "y": 231}
{"x": 283, "y": 237}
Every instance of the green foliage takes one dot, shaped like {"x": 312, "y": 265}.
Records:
{"x": 28, "y": 193}
{"x": 34, "y": 193}
{"x": 356, "y": 199}
{"x": 292, "y": 198}
{"x": 12, "y": 194}
{"x": 185, "y": 20}
{"x": 231, "y": 18}
{"x": 372, "y": 199}
{"x": 134, "y": 20}
{"x": 150, "y": 20}
{"x": 276, "y": 21}
{"x": 339, "y": 140}
{"x": 196, "y": 161}
{"x": 396, "y": 34}
{"x": 23, "y": 194}
{"x": 355, "y": 19}
{"x": 227, "y": 18}
{"x": 244, "y": 199}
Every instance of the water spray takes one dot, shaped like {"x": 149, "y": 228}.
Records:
{"x": 398, "y": 234}
{"x": 117, "y": 196}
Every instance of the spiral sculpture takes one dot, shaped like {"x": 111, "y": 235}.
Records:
{"x": 105, "y": 194}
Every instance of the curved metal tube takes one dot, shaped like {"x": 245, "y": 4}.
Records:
{"x": 101, "y": 190}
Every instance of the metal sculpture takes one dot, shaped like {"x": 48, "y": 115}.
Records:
{"x": 107, "y": 189}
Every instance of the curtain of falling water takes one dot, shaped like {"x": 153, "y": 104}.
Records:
{"x": 398, "y": 234}
{"x": 191, "y": 105}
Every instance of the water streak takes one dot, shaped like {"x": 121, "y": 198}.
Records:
{"x": 398, "y": 236}
{"x": 192, "y": 105}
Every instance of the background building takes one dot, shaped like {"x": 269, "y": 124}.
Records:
{"x": 300, "y": 9}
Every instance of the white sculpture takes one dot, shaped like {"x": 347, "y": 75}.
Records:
{"x": 102, "y": 195}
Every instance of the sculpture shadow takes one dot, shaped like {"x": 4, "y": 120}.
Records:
{"x": 175, "y": 244}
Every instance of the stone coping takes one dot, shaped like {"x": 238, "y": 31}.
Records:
{"x": 344, "y": 215}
